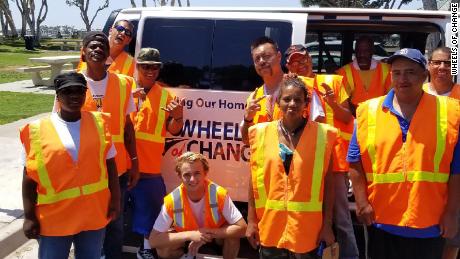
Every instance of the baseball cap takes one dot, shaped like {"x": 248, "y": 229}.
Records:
{"x": 294, "y": 49}
{"x": 69, "y": 79}
{"x": 411, "y": 54}
{"x": 96, "y": 36}
{"x": 148, "y": 56}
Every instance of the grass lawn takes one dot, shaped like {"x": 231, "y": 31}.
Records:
{"x": 13, "y": 55}
{"x": 15, "y": 106}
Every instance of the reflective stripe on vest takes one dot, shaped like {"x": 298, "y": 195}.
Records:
{"x": 127, "y": 65}
{"x": 295, "y": 206}
{"x": 120, "y": 137}
{"x": 178, "y": 209}
{"x": 51, "y": 196}
{"x": 415, "y": 176}
{"x": 384, "y": 73}
{"x": 212, "y": 190}
{"x": 349, "y": 75}
{"x": 157, "y": 135}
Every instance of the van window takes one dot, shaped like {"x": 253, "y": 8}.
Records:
{"x": 210, "y": 54}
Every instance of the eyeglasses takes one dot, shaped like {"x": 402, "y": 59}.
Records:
{"x": 150, "y": 66}
{"x": 120, "y": 28}
{"x": 438, "y": 63}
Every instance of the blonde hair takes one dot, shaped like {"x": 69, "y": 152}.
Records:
{"x": 191, "y": 157}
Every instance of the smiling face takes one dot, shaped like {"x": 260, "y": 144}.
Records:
{"x": 71, "y": 98}
{"x": 95, "y": 52}
{"x": 407, "y": 78}
{"x": 364, "y": 52}
{"x": 148, "y": 73}
{"x": 266, "y": 60}
{"x": 292, "y": 102}
{"x": 300, "y": 64}
{"x": 439, "y": 68}
{"x": 193, "y": 175}
{"x": 120, "y": 34}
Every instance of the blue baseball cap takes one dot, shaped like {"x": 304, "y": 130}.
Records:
{"x": 411, "y": 54}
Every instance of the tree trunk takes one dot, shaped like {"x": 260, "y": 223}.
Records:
{"x": 5, "y": 9}
{"x": 3, "y": 24}
{"x": 133, "y": 4}
{"x": 40, "y": 19}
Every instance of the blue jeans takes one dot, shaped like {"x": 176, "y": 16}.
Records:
{"x": 113, "y": 242}
{"x": 88, "y": 245}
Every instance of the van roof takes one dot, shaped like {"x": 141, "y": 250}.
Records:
{"x": 309, "y": 10}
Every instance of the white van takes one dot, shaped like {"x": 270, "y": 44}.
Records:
{"x": 208, "y": 50}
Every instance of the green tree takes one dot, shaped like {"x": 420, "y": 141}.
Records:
{"x": 83, "y": 5}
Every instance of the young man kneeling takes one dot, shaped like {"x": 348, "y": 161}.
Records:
{"x": 195, "y": 213}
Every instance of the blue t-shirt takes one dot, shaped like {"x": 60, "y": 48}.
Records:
{"x": 354, "y": 155}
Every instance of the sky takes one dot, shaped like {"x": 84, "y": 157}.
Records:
{"x": 61, "y": 14}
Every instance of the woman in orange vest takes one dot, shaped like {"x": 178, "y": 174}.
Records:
{"x": 70, "y": 183}
{"x": 199, "y": 211}
{"x": 291, "y": 194}
{"x": 441, "y": 83}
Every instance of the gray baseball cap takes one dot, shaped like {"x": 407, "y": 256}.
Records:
{"x": 148, "y": 56}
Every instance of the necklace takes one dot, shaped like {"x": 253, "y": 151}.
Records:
{"x": 289, "y": 135}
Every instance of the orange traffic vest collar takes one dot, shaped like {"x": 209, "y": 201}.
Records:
{"x": 379, "y": 86}
{"x": 115, "y": 102}
{"x": 178, "y": 208}
{"x": 123, "y": 64}
{"x": 150, "y": 128}
{"x": 72, "y": 196}
{"x": 401, "y": 180}
{"x": 454, "y": 93}
{"x": 295, "y": 200}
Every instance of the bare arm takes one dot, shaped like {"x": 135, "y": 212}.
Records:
{"x": 245, "y": 131}
{"x": 363, "y": 208}
{"x": 449, "y": 223}
{"x": 236, "y": 230}
{"x": 31, "y": 225}
{"x": 176, "y": 113}
{"x": 114, "y": 187}
{"x": 166, "y": 239}
{"x": 130, "y": 145}
{"x": 252, "y": 231}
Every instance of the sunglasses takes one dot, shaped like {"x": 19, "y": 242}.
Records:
{"x": 120, "y": 28}
{"x": 150, "y": 66}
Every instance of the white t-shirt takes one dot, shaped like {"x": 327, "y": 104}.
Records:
{"x": 431, "y": 91}
{"x": 230, "y": 212}
{"x": 98, "y": 89}
{"x": 69, "y": 134}
{"x": 316, "y": 109}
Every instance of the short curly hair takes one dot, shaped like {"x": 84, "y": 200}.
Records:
{"x": 191, "y": 157}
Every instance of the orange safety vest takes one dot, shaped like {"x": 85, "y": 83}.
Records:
{"x": 289, "y": 206}
{"x": 123, "y": 64}
{"x": 72, "y": 196}
{"x": 454, "y": 93}
{"x": 380, "y": 83}
{"x": 178, "y": 207}
{"x": 407, "y": 182}
{"x": 150, "y": 127}
{"x": 115, "y": 102}
{"x": 344, "y": 129}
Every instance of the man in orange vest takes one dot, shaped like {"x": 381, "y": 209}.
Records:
{"x": 70, "y": 184}
{"x": 441, "y": 79}
{"x": 158, "y": 112}
{"x": 261, "y": 104}
{"x": 119, "y": 61}
{"x": 337, "y": 114}
{"x": 111, "y": 93}
{"x": 365, "y": 77}
{"x": 405, "y": 165}
{"x": 199, "y": 212}
{"x": 441, "y": 83}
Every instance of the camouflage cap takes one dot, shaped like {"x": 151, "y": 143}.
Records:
{"x": 148, "y": 56}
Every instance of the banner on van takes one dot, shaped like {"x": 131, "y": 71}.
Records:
{"x": 211, "y": 127}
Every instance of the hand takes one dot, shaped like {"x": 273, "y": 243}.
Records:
{"x": 329, "y": 95}
{"x": 175, "y": 108}
{"x": 252, "y": 234}
{"x": 114, "y": 208}
{"x": 448, "y": 225}
{"x": 201, "y": 235}
{"x": 139, "y": 93}
{"x": 365, "y": 213}
{"x": 253, "y": 107}
{"x": 326, "y": 234}
{"x": 193, "y": 247}
{"x": 133, "y": 174}
{"x": 31, "y": 228}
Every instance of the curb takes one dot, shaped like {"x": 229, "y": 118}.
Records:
{"x": 11, "y": 237}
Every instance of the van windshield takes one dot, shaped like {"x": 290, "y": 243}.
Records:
{"x": 211, "y": 54}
